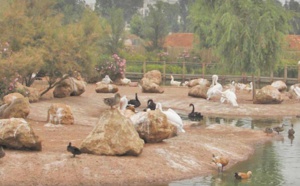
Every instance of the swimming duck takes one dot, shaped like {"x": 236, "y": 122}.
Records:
{"x": 195, "y": 116}
{"x": 135, "y": 102}
{"x": 268, "y": 130}
{"x": 220, "y": 161}
{"x": 112, "y": 101}
{"x": 2, "y": 152}
{"x": 242, "y": 175}
{"x": 74, "y": 150}
{"x": 150, "y": 105}
{"x": 291, "y": 131}
{"x": 278, "y": 129}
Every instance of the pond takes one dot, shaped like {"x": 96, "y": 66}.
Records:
{"x": 274, "y": 163}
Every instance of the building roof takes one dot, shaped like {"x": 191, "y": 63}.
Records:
{"x": 179, "y": 40}
{"x": 293, "y": 42}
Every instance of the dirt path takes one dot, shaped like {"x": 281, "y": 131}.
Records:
{"x": 184, "y": 156}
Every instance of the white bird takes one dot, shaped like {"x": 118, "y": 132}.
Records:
{"x": 215, "y": 87}
{"x": 123, "y": 107}
{"x": 230, "y": 97}
{"x": 106, "y": 80}
{"x": 174, "y": 83}
{"x": 125, "y": 81}
{"x": 172, "y": 117}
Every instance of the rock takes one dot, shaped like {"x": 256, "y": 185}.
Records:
{"x": 114, "y": 134}
{"x": 154, "y": 76}
{"x": 106, "y": 88}
{"x": 268, "y": 95}
{"x": 16, "y": 107}
{"x": 33, "y": 94}
{"x": 42, "y": 85}
{"x": 279, "y": 85}
{"x": 151, "y": 81}
{"x": 9, "y": 98}
{"x": 199, "y": 81}
{"x": 59, "y": 113}
{"x": 153, "y": 126}
{"x": 199, "y": 91}
{"x": 69, "y": 87}
{"x": 294, "y": 91}
{"x": 16, "y": 133}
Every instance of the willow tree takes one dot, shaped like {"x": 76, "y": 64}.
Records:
{"x": 246, "y": 35}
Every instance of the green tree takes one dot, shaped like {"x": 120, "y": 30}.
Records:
{"x": 294, "y": 7}
{"x": 246, "y": 35}
{"x": 136, "y": 25}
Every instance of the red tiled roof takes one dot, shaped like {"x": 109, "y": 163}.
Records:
{"x": 293, "y": 42}
{"x": 179, "y": 40}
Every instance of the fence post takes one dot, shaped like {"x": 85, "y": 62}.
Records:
{"x": 203, "y": 70}
{"x": 272, "y": 76}
{"x": 285, "y": 73}
{"x": 183, "y": 74}
{"x": 144, "y": 67}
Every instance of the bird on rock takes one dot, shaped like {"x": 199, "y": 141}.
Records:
{"x": 112, "y": 101}
{"x": 74, "y": 150}
{"x": 242, "y": 175}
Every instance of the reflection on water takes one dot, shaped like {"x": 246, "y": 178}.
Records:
{"x": 275, "y": 163}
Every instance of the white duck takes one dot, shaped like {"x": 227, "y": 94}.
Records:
{"x": 230, "y": 97}
{"x": 215, "y": 87}
{"x": 125, "y": 81}
{"x": 175, "y": 83}
{"x": 123, "y": 107}
{"x": 172, "y": 117}
{"x": 106, "y": 80}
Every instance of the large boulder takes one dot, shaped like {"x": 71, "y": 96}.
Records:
{"x": 41, "y": 85}
{"x": 60, "y": 113}
{"x": 69, "y": 87}
{"x": 268, "y": 95}
{"x": 280, "y": 85}
{"x": 151, "y": 81}
{"x": 154, "y": 76}
{"x": 153, "y": 126}
{"x": 106, "y": 88}
{"x": 199, "y": 81}
{"x": 33, "y": 94}
{"x": 294, "y": 91}
{"x": 199, "y": 91}
{"x": 15, "y": 106}
{"x": 16, "y": 133}
{"x": 114, "y": 134}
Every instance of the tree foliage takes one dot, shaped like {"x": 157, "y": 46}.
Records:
{"x": 247, "y": 35}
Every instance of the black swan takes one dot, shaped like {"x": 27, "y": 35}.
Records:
{"x": 74, "y": 150}
{"x": 150, "y": 105}
{"x": 112, "y": 101}
{"x": 195, "y": 116}
{"x": 135, "y": 102}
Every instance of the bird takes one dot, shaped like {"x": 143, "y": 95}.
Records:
{"x": 2, "y": 152}
{"x": 291, "y": 131}
{"x": 220, "y": 161}
{"x": 172, "y": 117}
{"x": 215, "y": 87}
{"x": 74, "y": 150}
{"x": 112, "y": 101}
{"x": 229, "y": 96}
{"x": 150, "y": 105}
{"x": 268, "y": 130}
{"x": 242, "y": 175}
{"x": 195, "y": 116}
{"x": 174, "y": 83}
{"x": 125, "y": 81}
{"x": 278, "y": 128}
{"x": 106, "y": 80}
{"x": 135, "y": 102}
{"x": 125, "y": 109}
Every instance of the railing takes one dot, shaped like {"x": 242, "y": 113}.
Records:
{"x": 184, "y": 71}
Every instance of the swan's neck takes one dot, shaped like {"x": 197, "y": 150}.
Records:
{"x": 193, "y": 109}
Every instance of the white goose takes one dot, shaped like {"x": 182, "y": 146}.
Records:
{"x": 172, "y": 117}
{"x": 106, "y": 80}
{"x": 175, "y": 83}
{"x": 215, "y": 87}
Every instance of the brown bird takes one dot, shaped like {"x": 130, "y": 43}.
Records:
{"x": 2, "y": 153}
{"x": 112, "y": 101}
{"x": 220, "y": 161}
{"x": 242, "y": 175}
{"x": 74, "y": 150}
{"x": 291, "y": 131}
{"x": 278, "y": 129}
{"x": 268, "y": 130}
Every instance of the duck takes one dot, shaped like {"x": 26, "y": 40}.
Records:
{"x": 268, "y": 130}
{"x": 172, "y": 117}
{"x": 125, "y": 109}
{"x": 112, "y": 101}
{"x": 174, "y": 83}
{"x": 242, "y": 175}
{"x": 220, "y": 161}
{"x": 135, "y": 102}
{"x": 2, "y": 152}
{"x": 106, "y": 80}
{"x": 291, "y": 131}
{"x": 150, "y": 105}
{"x": 125, "y": 81}
{"x": 215, "y": 88}
{"x": 74, "y": 150}
{"x": 278, "y": 128}
{"x": 195, "y": 116}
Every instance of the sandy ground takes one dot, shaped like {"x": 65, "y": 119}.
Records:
{"x": 184, "y": 156}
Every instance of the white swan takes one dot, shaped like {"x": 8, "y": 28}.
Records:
{"x": 172, "y": 117}
{"x": 230, "y": 97}
{"x": 215, "y": 87}
{"x": 174, "y": 83}
{"x": 106, "y": 80}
